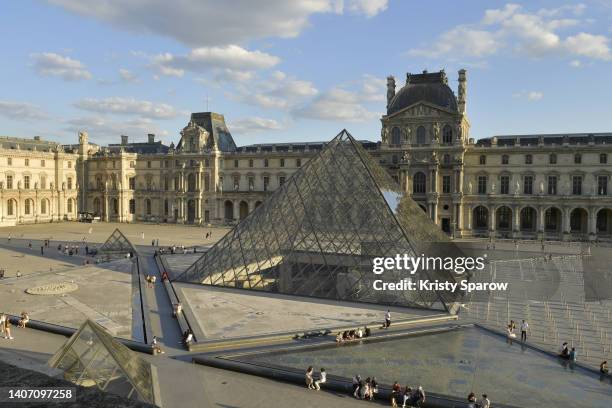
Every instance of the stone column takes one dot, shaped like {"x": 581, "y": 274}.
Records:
{"x": 516, "y": 211}
{"x": 236, "y": 204}
{"x": 541, "y": 214}
{"x": 492, "y": 226}
{"x": 566, "y": 223}
{"x": 592, "y": 217}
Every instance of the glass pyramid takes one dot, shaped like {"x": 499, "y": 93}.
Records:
{"x": 92, "y": 357}
{"x": 317, "y": 236}
{"x": 117, "y": 243}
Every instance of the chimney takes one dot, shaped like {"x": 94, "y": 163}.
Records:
{"x": 390, "y": 89}
{"x": 124, "y": 140}
{"x": 151, "y": 137}
{"x": 462, "y": 91}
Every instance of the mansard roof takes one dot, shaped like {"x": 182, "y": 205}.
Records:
{"x": 548, "y": 139}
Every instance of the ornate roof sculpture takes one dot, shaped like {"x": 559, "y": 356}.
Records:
{"x": 317, "y": 235}
{"x": 92, "y": 357}
{"x": 117, "y": 243}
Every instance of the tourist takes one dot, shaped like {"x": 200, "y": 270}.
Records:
{"x": 471, "y": 400}
{"x": 407, "y": 397}
{"x": 387, "y": 319}
{"x": 564, "y": 353}
{"x": 419, "y": 397}
{"x": 156, "y": 347}
{"x": 603, "y": 368}
{"x": 30, "y": 244}
{"x": 178, "y": 308}
{"x": 153, "y": 279}
{"x": 165, "y": 276}
{"x": 373, "y": 387}
{"x": 359, "y": 333}
{"x": 351, "y": 334}
{"x": 396, "y": 393}
{"x": 484, "y": 402}
{"x": 42, "y": 250}
{"x": 572, "y": 355}
{"x": 321, "y": 380}
{"x": 309, "y": 380}
{"x": 152, "y": 242}
{"x": 7, "y": 328}
{"x": 366, "y": 331}
{"x": 363, "y": 389}
{"x": 3, "y": 318}
{"x": 339, "y": 337}
{"x": 188, "y": 338}
{"x": 524, "y": 328}
{"x": 356, "y": 380}
{"x": 510, "y": 333}
{"x": 25, "y": 318}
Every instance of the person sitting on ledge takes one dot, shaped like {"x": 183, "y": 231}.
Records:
{"x": 25, "y": 318}
{"x": 188, "y": 338}
{"x": 564, "y": 353}
{"x": 156, "y": 348}
{"x": 339, "y": 338}
{"x": 396, "y": 393}
{"x": 603, "y": 368}
{"x": 321, "y": 380}
{"x": 359, "y": 333}
{"x": 345, "y": 335}
{"x": 351, "y": 334}
{"x": 471, "y": 400}
{"x": 572, "y": 355}
{"x": 407, "y": 397}
{"x": 367, "y": 332}
{"x": 309, "y": 380}
{"x": 178, "y": 309}
{"x": 373, "y": 387}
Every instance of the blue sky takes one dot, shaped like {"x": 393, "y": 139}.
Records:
{"x": 297, "y": 70}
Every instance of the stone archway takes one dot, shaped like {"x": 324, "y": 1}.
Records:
{"x": 191, "y": 211}
{"x": 503, "y": 215}
{"x": 579, "y": 221}
{"x": 229, "y": 210}
{"x": 244, "y": 209}
{"x": 553, "y": 220}
{"x": 481, "y": 218}
{"x": 604, "y": 222}
{"x": 529, "y": 217}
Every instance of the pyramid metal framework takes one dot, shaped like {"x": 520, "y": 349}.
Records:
{"x": 317, "y": 235}
{"x": 91, "y": 356}
{"x": 117, "y": 243}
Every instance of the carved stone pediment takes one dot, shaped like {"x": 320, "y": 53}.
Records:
{"x": 423, "y": 110}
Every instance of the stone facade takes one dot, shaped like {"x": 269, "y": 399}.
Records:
{"x": 527, "y": 186}
{"x": 38, "y": 182}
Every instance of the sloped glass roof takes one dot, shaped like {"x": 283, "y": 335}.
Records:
{"x": 92, "y": 357}
{"x": 117, "y": 242}
{"x": 317, "y": 235}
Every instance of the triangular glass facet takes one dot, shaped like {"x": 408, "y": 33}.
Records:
{"x": 117, "y": 243}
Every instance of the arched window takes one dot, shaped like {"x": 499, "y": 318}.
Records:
{"x": 148, "y": 206}
{"x": 96, "y": 206}
{"x": 396, "y": 137}
{"x": 43, "y": 206}
{"x": 447, "y": 135}
{"x": 421, "y": 135}
{"x": 419, "y": 183}
{"x": 27, "y": 209}
{"x": 115, "y": 206}
{"x": 481, "y": 217}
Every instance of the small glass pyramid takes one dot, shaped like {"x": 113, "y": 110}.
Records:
{"x": 92, "y": 357}
{"x": 117, "y": 243}
{"x": 317, "y": 235}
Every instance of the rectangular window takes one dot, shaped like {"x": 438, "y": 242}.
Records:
{"x": 446, "y": 184}
{"x": 132, "y": 206}
{"x": 69, "y": 164}
{"x": 250, "y": 162}
{"x": 528, "y": 159}
{"x": 602, "y": 185}
{"x": 9, "y": 182}
{"x": 132, "y": 183}
{"x": 251, "y": 183}
{"x": 42, "y": 163}
{"x": 266, "y": 183}
{"x": 132, "y": 164}
{"x": 43, "y": 182}
{"x": 9, "y": 161}
{"x": 69, "y": 183}
{"x": 528, "y": 185}
{"x": 236, "y": 183}
{"x": 266, "y": 163}
{"x": 482, "y": 184}
{"x": 552, "y": 185}
{"x": 298, "y": 162}
{"x": 282, "y": 162}
{"x": 148, "y": 164}
{"x": 281, "y": 180}
{"x": 577, "y": 185}
{"x": 27, "y": 162}
{"x": 504, "y": 185}
{"x": 236, "y": 163}
{"x": 26, "y": 182}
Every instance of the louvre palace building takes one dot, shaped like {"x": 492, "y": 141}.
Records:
{"x": 547, "y": 186}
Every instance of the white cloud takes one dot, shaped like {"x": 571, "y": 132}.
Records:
{"x": 254, "y": 125}
{"x": 589, "y": 45}
{"x": 529, "y": 95}
{"x": 207, "y": 22}
{"x": 106, "y": 130}
{"x": 536, "y": 34}
{"x": 575, "y": 63}
{"x": 278, "y": 91}
{"x": 336, "y": 104}
{"x": 127, "y": 75}
{"x": 128, "y": 106}
{"x": 52, "y": 64}
{"x": 21, "y": 111}
{"x": 226, "y": 60}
